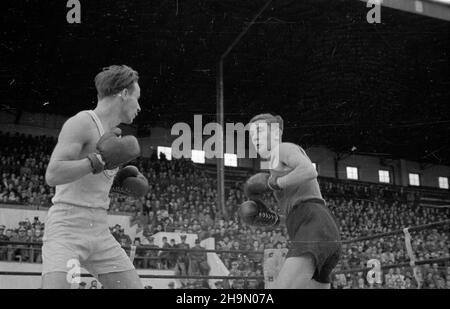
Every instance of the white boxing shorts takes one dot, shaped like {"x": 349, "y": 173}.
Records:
{"x": 81, "y": 234}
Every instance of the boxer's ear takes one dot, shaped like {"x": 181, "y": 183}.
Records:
{"x": 125, "y": 93}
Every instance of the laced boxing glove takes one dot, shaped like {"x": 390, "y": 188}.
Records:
{"x": 130, "y": 182}
{"x": 256, "y": 213}
{"x": 114, "y": 150}
{"x": 259, "y": 184}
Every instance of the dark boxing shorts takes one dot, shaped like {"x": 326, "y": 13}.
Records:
{"x": 312, "y": 229}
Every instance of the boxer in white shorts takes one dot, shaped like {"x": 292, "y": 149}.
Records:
{"x": 84, "y": 168}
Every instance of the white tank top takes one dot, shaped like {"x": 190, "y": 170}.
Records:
{"x": 90, "y": 190}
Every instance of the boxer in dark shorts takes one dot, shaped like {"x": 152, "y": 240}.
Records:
{"x": 313, "y": 231}
{"x": 314, "y": 236}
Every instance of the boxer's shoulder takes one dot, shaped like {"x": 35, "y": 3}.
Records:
{"x": 83, "y": 121}
{"x": 79, "y": 127}
{"x": 286, "y": 147}
{"x": 281, "y": 151}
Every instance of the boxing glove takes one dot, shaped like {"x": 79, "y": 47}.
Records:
{"x": 256, "y": 213}
{"x": 259, "y": 184}
{"x": 113, "y": 151}
{"x": 130, "y": 182}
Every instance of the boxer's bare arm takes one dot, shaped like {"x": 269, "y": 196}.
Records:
{"x": 65, "y": 164}
{"x": 298, "y": 161}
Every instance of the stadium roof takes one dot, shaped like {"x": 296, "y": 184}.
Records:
{"x": 336, "y": 79}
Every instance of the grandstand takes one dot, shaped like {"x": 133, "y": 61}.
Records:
{"x": 181, "y": 201}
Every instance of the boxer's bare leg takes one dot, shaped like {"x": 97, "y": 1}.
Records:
{"x": 55, "y": 280}
{"x": 297, "y": 273}
{"x": 121, "y": 280}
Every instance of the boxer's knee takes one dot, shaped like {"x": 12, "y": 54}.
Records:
{"x": 121, "y": 280}
{"x": 296, "y": 273}
{"x": 55, "y": 280}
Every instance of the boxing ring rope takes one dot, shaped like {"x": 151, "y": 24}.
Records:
{"x": 399, "y": 231}
{"x": 406, "y": 264}
{"x": 198, "y": 277}
{"x": 143, "y": 247}
{"x": 413, "y": 263}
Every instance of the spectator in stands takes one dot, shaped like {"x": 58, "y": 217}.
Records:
{"x": 152, "y": 260}
{"x": 19, "y": 251}
{"x": 164, "y": 255}
{"x": 36, "y": 223}
{"x": 409, "y": 284}
{"x": 3, "y": 247}
{"x": 235, "y": 272}
{"x": 115, "y": 231}
{"x": 93, "y": 284}
{"x": 399, "y": 279}
{"x": 182, "y": 257}
{"x": 198, "y": 260}
{"x": 124, "y": 239}
{"x": 182, "y": 263}
{"x": 361, "y": 283}
{"x": 35, "y": 251}
{"x": 139, "y": 260}
{"x": 172, "y": 254}
{"x": 440, "y": 283}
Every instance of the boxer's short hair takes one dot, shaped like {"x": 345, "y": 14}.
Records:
{"x": 114, "y": 79}
{"x": 269, "y": 118}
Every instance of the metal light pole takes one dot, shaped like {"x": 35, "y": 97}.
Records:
{"x": 220, "y": 117}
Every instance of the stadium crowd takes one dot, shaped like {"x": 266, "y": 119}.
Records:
{"x": 182, "y": 199}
